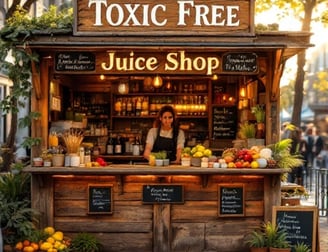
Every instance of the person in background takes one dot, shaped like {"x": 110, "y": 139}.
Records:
{"x": 298, "y": 144}
{"x": 308, "y": 155}
{"x": 317, "y": 147}
{"x": 165, "y": 135}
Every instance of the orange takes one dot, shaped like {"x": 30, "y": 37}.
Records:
{"x": 26, "y": 243}
{"x": 35, "y": 246}
{"x": 19, "y": 246}
{"x": 28, "y": 249}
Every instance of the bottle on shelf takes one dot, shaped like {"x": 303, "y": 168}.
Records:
{"x": 96, "y": 150}
{"x": 138, "y": 106}
{"x": 118, "y": 147}
{"x": 110, "y": 145}
{"x": 87, "y": 156}
{"x": 136, "y": 147}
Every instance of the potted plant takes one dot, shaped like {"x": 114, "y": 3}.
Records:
{"x": 301, "y": 247}
{"x": 276, "y": 238}
{"x": 84, "y": 242}
{"x": 283, "y": 158}
{"x": 247, "y": 132}
{"x": 160, "y": 157}
{"x": 259, "y": 114}
{"x": 257, "y": 241}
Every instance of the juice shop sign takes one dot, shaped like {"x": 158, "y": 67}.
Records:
{"x": 171, "y": 62}
{"x": 172, "y": 16}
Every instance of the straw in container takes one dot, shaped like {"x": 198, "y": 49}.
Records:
{"x": 73, "y": 139}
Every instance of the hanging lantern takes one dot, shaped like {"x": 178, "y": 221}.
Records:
{"x": 123, "y": 87}
{"x": 157, "y": 81}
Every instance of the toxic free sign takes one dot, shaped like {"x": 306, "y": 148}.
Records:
{"x": 171, "y": 17}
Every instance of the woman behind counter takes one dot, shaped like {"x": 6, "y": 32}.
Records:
{"x": 165, "y": 135}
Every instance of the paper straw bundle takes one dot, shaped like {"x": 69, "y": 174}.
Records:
{"x": 73, "y": 139}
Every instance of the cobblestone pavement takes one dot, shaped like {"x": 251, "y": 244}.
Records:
{"x": 323, "y": 234}
{"x": 323, "y": 225}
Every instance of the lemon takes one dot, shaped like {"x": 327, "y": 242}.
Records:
{"x": 193, "y": 150}
{"x": 207, "y": 152}
{"x": 198, "y": 154}
{"x": 255, "y": 165}
{"x": 58, "y": 236}
{"x": 51, "y": 240}
{"x": 200, "y": 148}
{"x": 49, "y": 230}
{"x": 45, "y": 246}
{"x": 152, "y": 159}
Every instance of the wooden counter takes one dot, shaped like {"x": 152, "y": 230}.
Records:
{"x": 133, "y": 224}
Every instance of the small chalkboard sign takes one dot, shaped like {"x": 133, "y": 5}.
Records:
{"x": 224, "y": 122}
{"x": 162, "y": 194}
{"x": 75, "y": 61}
{"x": 231, "y": 200}
{"x": 240, "y": 62}
{"x": 300, "y": 223}
{"x": 100, "y": 198}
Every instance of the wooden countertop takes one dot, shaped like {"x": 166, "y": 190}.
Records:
{"x": 138, "y": 169}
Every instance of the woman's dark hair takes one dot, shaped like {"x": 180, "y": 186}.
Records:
{"x": 175, "y": 123}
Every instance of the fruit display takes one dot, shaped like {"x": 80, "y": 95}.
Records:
{"x": 272, "y": 156}
{"x": 47, "y": 239}
{"x": 255, "y": 157}
{"x": 198, "y": 151}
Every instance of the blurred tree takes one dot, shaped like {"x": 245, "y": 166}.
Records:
{"x": 304, "y": 10}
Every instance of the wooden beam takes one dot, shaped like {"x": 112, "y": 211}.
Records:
{"x": 277, "y": 73}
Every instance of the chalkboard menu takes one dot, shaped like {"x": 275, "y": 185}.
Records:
{"x": 224, "y": 122}
{"x": 300, "y": 223}
{"x": 75, "y": 61}
{"x": 162, "y": 194}
{"x": 231, "y": 200}
{"x": 240, "y": 62}
{"x": 100, "y": 199}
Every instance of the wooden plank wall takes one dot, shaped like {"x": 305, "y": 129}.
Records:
{"x": 134, "y": 226}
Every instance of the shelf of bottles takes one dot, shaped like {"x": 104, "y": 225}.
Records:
{"x": 93, "y": 109}
{"x": 188, "y": 100}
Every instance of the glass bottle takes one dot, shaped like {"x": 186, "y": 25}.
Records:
{"x": 110, "y": 145}
{"x": 118, "y": 145}
{"x": 136, "y": 147}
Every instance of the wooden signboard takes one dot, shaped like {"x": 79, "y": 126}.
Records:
{"x": 75, "y": 61}
{"x": 100, "y": 200}
{"x": 164, "y": 18}
{"x": 162, "y": 194}
{"x": 242, "y": 62}
{"x": 231, "y": 200}
{"x": 300, "y": 222}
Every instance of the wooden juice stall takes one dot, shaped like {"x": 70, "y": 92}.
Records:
{"x": 157, "y": 209}
{"x": 213, "y": 67}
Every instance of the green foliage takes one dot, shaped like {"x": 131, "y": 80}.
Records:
{"x": 84, "y": 242}
{"x": 21, "y": 26}
{"x": 276, "y": 238}
{"x": 246, "y": 130}
{"x": 302, "y": 247}
{"x": 257, "y": 239}
{"x": 15, "y": 62}
{"x": 281, "y": 153}
{"x": 259, "y": 113}
{"x": 160, "y": 154}
{"x": 16, "y": 216}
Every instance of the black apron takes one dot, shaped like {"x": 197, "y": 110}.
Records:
{"x": 166, "y": 144}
